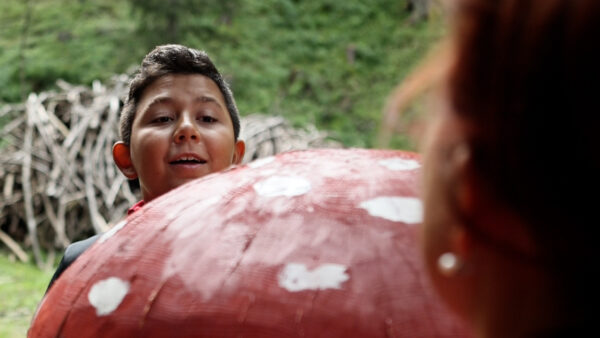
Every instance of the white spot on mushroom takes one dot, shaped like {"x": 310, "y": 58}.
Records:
{"x": 408, "y": 210}
{"x": 106, "y": 295}
{"x": 296, "y": 277}
{"x": 287, "y": 186}
{"x": 112, "y": 231}
{"x": 399, "y": 164}
{"x": 261, "y": 162}
{"x": 267, "y": 172}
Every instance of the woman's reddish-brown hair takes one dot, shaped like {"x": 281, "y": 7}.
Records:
{"x": 525, "y": 78}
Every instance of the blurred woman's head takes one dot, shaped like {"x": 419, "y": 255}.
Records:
{"x": 511, "y": 161}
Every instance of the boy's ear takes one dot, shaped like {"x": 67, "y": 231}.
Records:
{"x": 238, "y": 152}
{"x": 122, "y": 159}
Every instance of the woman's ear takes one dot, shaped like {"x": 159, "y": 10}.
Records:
{"x": 478, "y": 205}
{"x": 465, "y": 180}
{"x": 122, "y": 159}
{"x": 463, "y": 185}
{"x": 238, "y": 152}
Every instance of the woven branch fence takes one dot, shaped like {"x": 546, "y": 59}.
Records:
{"x": 58, "y": 180}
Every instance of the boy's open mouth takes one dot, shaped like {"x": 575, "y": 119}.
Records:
{"x": 188, "y": 160}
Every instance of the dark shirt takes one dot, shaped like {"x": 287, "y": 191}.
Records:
{"x": 76, "y": 249}
{"x": 71, "y": 253}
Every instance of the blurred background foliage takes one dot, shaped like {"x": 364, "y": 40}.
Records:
{"x": 330, "y": 63}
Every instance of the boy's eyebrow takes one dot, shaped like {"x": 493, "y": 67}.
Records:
{"x": 157, "y": 100}
{"x": 210, "y": 98}
{"x": 167, "y": 99}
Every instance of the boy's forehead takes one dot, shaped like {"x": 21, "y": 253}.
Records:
{"x": 181, "y": 87}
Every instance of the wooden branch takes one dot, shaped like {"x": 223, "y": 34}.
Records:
{"x": 57, "y": 224}
{"x": 9, "y": 182}
{"x": 14, "y": 247}
{"x": 25, "y": 181}
{"x": 98, "y": 221}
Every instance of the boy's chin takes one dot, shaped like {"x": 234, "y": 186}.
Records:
{"x": 179, "y": 181}
{"x": 176, "y": 180}
{"x": 189, "y": 171}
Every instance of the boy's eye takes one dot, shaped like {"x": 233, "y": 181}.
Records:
{"x": 162, "y": 119}
{"x": 208, "y": 119}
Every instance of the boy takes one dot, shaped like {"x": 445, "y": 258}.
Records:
{"x": 179, "y": 122}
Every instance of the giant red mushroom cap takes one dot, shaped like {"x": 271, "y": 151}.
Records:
{"x": 315, "y": 243}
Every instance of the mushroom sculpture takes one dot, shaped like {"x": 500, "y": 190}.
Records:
{"x": 318, "y": 243}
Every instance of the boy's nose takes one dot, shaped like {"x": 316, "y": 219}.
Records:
{"x": 186, "y": 131}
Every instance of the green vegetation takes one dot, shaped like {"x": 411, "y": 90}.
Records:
{"x": 21, "y": 288}
{"x": 328, "y": 62}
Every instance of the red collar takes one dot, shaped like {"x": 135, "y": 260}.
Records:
{"x": 136, "y": 207}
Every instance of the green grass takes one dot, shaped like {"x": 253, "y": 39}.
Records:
{"x": 21, "y": 288}
{"x": 329, "y": 63}
{"x": 78, "y": 41}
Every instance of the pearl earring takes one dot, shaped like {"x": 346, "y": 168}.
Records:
{"x": 449, "y": 264}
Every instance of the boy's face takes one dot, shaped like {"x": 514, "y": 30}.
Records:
{"x": 181, "y": 131}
